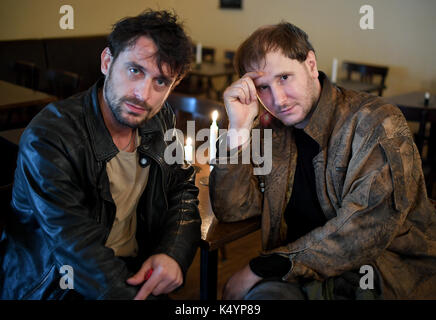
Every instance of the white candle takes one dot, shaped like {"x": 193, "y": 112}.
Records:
{"x": 188, "y": 150}
{"x": 426, "y": 98}
{"x": 198, "y": 54}
{"x": 334, "y": 70}
{"x": 213, "y": 137}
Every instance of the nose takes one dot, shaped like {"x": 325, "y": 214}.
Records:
{"x": 279, "y": 95}
{"x": 143, "y": 90}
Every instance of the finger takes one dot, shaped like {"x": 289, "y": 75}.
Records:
{"x": 253, "y": 75}
{"x": 165, "y": 287}
{"x": 252, "y": 90}
{"x": 139, "y": 277}
{"x": 245, "y": 87}
{"x": 148, "y": 286}
{"x": 236, "y": 93}
{"x": 169, "y": 283}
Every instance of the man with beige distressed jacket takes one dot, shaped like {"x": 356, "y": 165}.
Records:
{"x": 345, "y": 213}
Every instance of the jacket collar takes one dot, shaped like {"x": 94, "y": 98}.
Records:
{"x": 101, "y": 140}
{"x": 321, "y": 123}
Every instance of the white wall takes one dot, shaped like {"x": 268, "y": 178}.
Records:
{"x": 404, "y": 37}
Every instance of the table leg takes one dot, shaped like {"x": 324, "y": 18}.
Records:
{"x": 208, "y": 274}
{"x": 209, "y": 88}
{"x": 421, "y": 132}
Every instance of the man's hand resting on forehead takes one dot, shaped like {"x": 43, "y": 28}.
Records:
{"x": 240, "y": 100}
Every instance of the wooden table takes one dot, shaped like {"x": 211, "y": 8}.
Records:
{"x": 17, "y": 98}
{"x": 12, "y": 135}
{"x": 210, "y": 70}
{"x": 214, "y": 235}
{"x": 359, "y": 86}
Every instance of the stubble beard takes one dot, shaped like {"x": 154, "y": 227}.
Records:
{"x": 115, "y": 104}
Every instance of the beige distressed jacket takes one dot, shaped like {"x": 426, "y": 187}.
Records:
{"x": 370, "y": 187}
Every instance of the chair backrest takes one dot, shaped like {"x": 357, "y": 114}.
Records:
{"x": 208, "y": 54}
{"x": 62, "y": 83}
{"x": 366, "y": 73}
{"x": 27, "y": 74}
{"x": 228, "y": 56}
{"x": 188, "y": 108}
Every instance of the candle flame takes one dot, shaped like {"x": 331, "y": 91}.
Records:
{"x": 188, "y": 141}
{"x": 214, "y": 115}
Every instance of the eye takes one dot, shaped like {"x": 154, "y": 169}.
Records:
{"x": 284, "y": 77}
{"x": 262, "y": 88}
{"x": 161, "y": 82}
{"x": 134, "y": 71}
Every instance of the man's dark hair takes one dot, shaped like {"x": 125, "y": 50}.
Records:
{"x": 173, "y": 45}
{"x": 291, "y": 40}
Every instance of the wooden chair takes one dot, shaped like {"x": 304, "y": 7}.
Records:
{"x": 189, "y": 108}
{"x": 27, "y": 74}
{"x": 194, "y": 85}
{"x": 366, "y": 73}
{"x": 208, "y": 54}
{"x": 228, "y": 57}
{"x": 62, "y": 83}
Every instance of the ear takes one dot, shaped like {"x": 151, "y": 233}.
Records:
{"x": 106, "y": 60}
{"x": 311, "y": 64}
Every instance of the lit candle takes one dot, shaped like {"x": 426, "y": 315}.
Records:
{"x": 188, "y": 150}
{"x": 213, "y": 137}
{"x": 198, "y": 54}
{"x": 334, "y": 70}
{"x": 426, "y": 98}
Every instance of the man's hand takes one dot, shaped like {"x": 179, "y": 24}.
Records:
{"x": 166, "y": 276}
{"x": 240, "y": 100}
{"x": 240, "y": 283}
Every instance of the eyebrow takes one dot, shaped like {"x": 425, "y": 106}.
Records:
{"x": 278, "y": 75}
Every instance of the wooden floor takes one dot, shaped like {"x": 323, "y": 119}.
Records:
{"x": 238, "y": 254}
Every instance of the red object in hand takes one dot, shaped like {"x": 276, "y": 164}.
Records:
{"x": 148, "y": 274}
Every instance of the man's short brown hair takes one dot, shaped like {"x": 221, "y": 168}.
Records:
{"x": 291, "y": 40}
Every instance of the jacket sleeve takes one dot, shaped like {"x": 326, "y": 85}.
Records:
{"x": 50, "y": 193}
{"x": 381, "y": 184}
{"x": 182, "y": 225}
{"x": 182, "y": 220}
{"x": 234, "y": 201}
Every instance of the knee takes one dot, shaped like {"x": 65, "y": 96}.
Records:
{"x": 275, "y": 290}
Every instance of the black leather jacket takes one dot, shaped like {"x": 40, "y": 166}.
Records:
{"x": 63, "y": 208}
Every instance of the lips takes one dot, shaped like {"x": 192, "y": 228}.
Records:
{"x": 135, "y": 108}
{"x": 287, "y": 109}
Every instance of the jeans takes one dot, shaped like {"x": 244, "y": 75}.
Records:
{"x": 275, "y": 290}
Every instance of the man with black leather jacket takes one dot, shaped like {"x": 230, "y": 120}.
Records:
{"x": 97, "y": 209}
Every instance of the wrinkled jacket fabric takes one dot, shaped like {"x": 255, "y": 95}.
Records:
{"x": 369, "y": 184}
{"x": 64, "y": 211}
